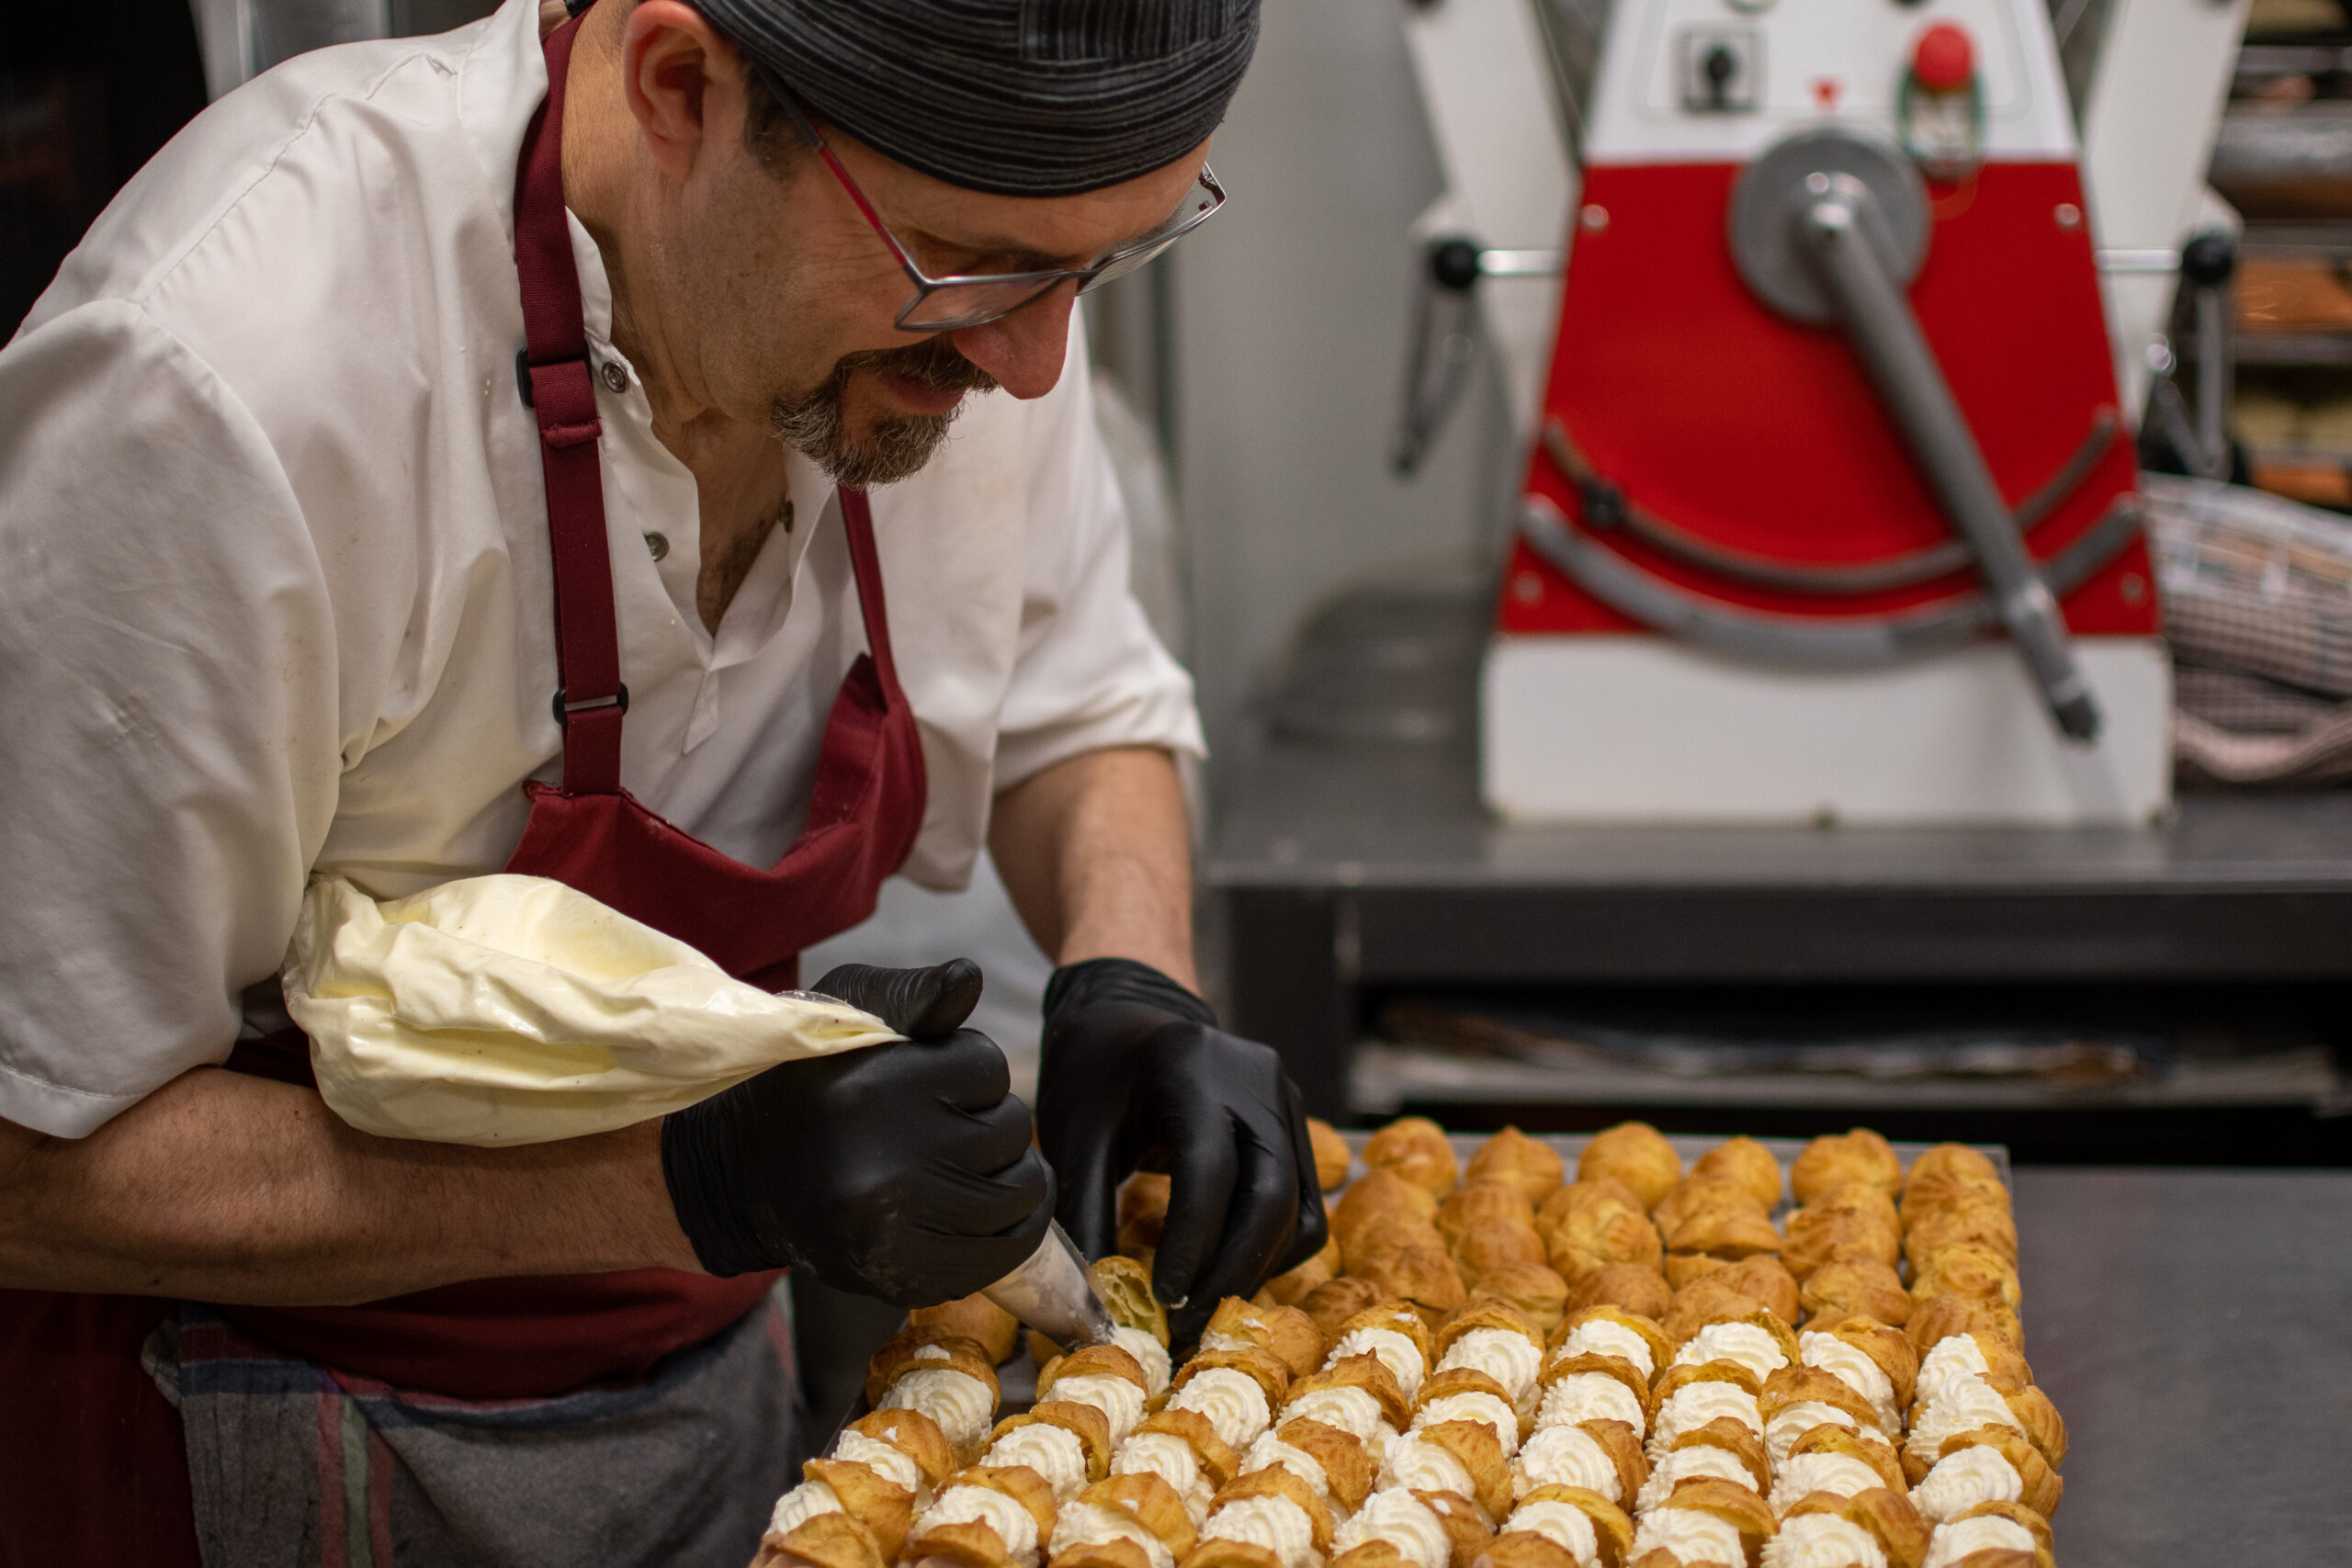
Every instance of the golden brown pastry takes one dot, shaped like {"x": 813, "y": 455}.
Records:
{"x": 1636, "y": 1154}
{"x": 1088, "y": 1425}
{"x": 1882, "y": 1512}
{"x": 1640, "y": 1324}
{"x": 1394, "y": 1316}
{"x": 1332, "y": 1158}
{"x": 1499, "y": 1244}
{"x": 1882, "y": 1344}
{"x": 1854, "y": 1443}
{"x": 1725, "y": 1500}
{"x": 1469, "y": 1530}
{"x": 1702, "y": 1191}
{"x": 1733, "y": 1439}
{"x": 1416, "y": 1271}
{"x": 1334, "y": 1302}
{"x": 1381, "y": 1198}
{"x": 1274, "y": 1481}
{"x": 1141, "y": 1497}
{"x": 1858, "y": 1155}
{"x": 883, "y": 1507}
{"x": 1932, "y": 1235}
{"x": 1616, "y": 1367}
{"x": 1219, "y": 1461}
{"x": 1819, "y": 1231}
{"x": 1688, "y": 1268}
{"x": 1347, "y": 1466}
{"x": 1268, "y": 1371}
{"x": 939, "y": 1533}
{"x": 824, "y": 1540}
{"x": 1613, "y": 1529}
{"x": 2036, "y": 1527}
{"x": 1289, "y": 1288}
{"x": 1746, "y": 1162}
{"x": 1124, "y": 1286}
{"x": 1797, "y": 1399}
{"x": 915, "y": 1435}
{"x": 1367, "y": 1373}
{"x": 1216, "y": 1551}
{"x": 996, "y": 1331}
{"x": 1950, "y": 1160}
{"x": 1549, "y": 1212}
{"x": 1290, "y": 1334}
{"x": 1477, "y": 1202}
{"x": 1594, "y": 1225}
{"x": 1636, "y": 1287}
{"x": 2039, "y": 1485}
{"x": 1513, "y": 1158}
{"x": 1486, "y": 1312}
{"x": 1732, "y": 1291}
{"x": 1535, "y": 1289}
{"x": 1416, "y": 1149}
{"x": 1968, "y": 1270}
{"x": 930, "y": 1347}
{"x": 1849, "y": 1286}
{"x": 1939, "y": 1317}
{"x": 1473, "y": 1443}
{"x": 1373, "y": 1553}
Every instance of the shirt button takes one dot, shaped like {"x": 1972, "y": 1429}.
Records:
{"x": 616, "y": 379}
{"x": 657, "y": 546}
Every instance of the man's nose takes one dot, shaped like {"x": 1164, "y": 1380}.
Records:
{"x": 1023, "y": 351}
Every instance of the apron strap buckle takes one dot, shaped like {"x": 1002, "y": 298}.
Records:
{"x": 565, "y": 708}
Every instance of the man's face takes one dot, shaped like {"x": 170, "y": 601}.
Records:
{"x": 783, "y": 297}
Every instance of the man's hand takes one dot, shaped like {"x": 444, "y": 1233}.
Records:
{"x": 904, "y": 1171}
{"x": 1136, "y": 1071}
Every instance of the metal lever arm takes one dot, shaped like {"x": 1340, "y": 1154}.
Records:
{"x": 1886, "y": 336}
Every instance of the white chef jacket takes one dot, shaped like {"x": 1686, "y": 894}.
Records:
{"x": 274, "y": 592}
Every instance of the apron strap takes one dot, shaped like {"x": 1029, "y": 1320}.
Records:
{"x": 858, "y": 523}
{"x": 589, "y": 696}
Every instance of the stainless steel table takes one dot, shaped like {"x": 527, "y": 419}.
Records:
{"x": 2194, "y": 1329}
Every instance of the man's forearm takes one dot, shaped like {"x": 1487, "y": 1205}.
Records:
{"x": 229, "y": 1189}
{"x": 1097, "y": 854}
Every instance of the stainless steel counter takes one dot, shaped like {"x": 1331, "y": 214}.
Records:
{"x": 2194, "y": 1329}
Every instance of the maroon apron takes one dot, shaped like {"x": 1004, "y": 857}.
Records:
{"x": 91, "y": 1460}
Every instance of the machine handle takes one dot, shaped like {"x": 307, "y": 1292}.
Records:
{"x": 1834, "y": 228}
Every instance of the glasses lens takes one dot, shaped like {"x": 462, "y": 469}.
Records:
{"x": 951, "y": 307}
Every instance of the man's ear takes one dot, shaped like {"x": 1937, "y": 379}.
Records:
{"x": 674, "y": 67}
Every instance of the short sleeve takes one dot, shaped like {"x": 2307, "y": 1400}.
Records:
{"x": 1088, "y": 673}
{"x": 168, "y": 714}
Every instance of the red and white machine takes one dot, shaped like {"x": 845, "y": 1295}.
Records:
{"x": 1828, "y": 512}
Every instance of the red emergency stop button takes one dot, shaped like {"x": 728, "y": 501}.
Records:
{"x": 1944, "y": 59}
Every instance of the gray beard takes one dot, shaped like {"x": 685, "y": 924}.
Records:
{"x": 816, "y": 425}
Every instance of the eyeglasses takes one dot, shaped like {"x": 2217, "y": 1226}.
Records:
{"x": 952, "y": 304}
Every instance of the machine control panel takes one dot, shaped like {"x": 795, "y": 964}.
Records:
{"x": 1723, "y": 69}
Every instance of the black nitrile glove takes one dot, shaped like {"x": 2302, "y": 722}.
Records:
{"x": 903, "y": 1171}
{"x": 1136, "y": 1072}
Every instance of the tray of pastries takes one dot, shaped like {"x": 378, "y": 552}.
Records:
{"x": 1624, "y": 1350}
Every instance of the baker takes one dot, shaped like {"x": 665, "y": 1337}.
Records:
{"x": 493, "y": 452}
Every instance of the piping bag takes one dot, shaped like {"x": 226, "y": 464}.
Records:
{"x": 1052, "y": 1294}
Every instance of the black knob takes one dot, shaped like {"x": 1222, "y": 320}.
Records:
{"x": 2208, "y": 260}
{"x": 1719, "y": 68}
{"x": 1454, "y": 262}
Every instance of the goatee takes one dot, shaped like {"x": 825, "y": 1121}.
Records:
{"x": 817, "y": 424}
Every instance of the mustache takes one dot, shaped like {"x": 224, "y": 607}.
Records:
{"x": 936, "y": 364}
